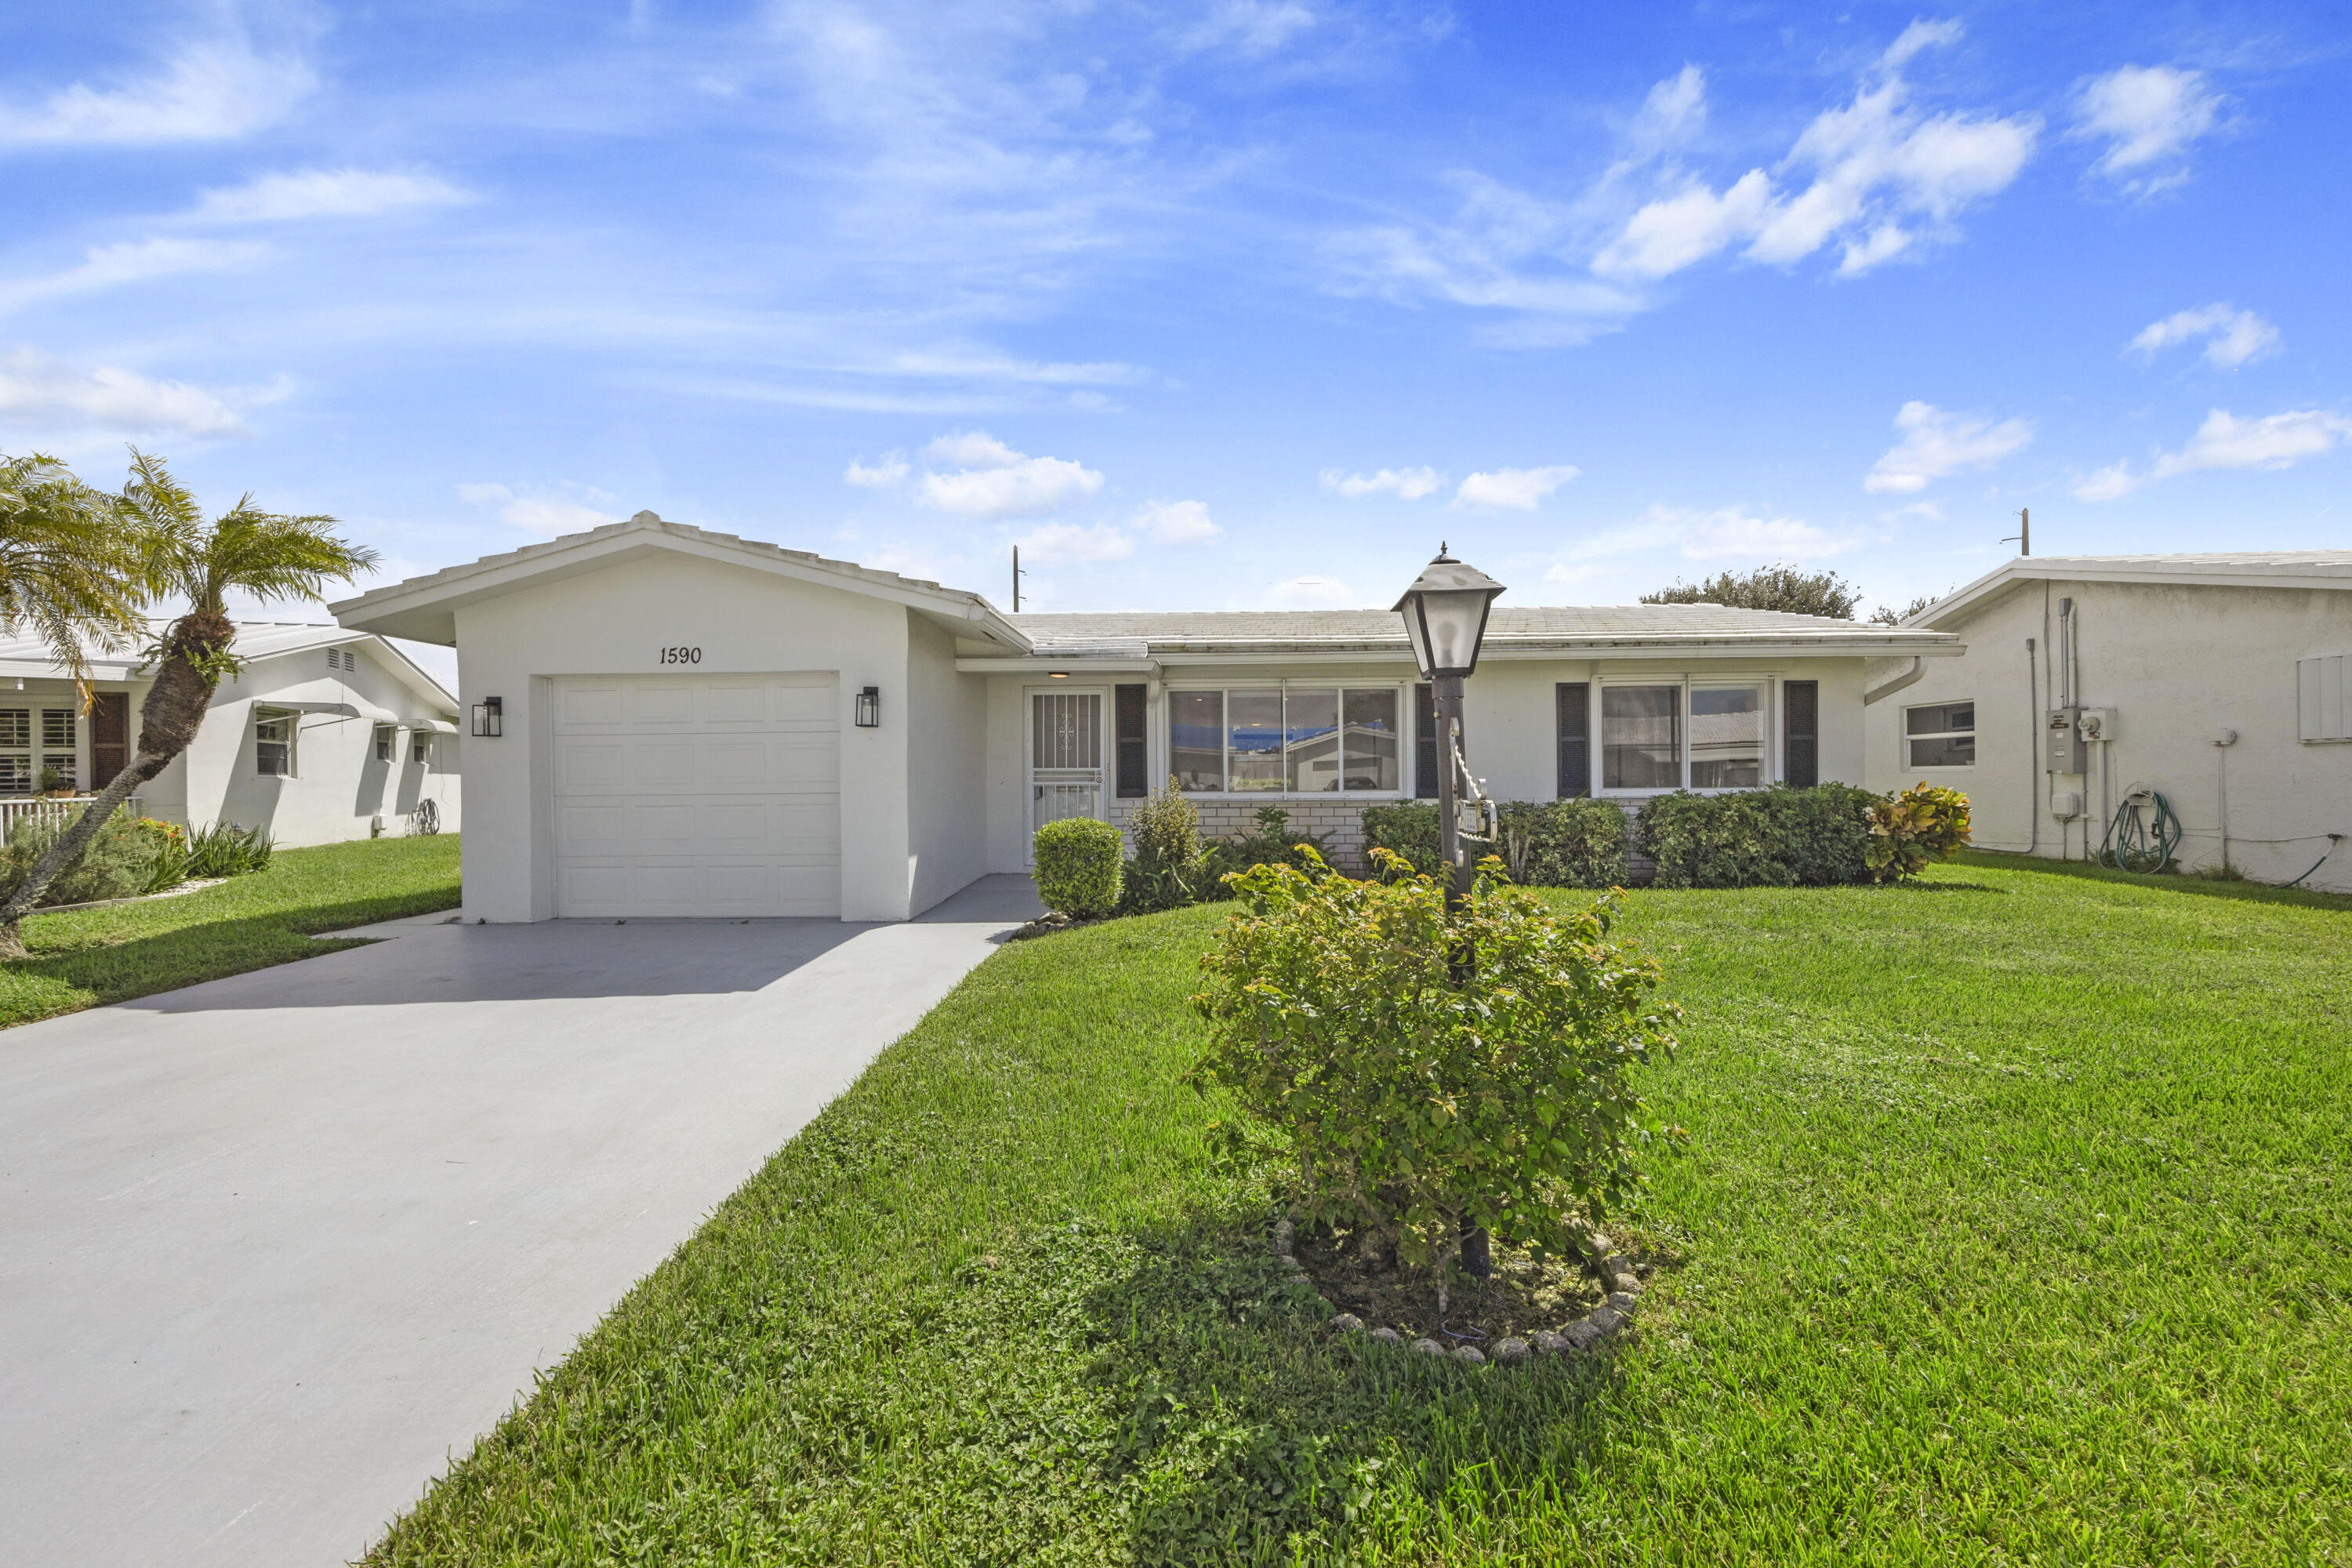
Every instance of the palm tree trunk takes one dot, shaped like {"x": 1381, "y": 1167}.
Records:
{"x": 168, "y": 722}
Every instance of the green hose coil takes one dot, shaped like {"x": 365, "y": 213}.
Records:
{"x": 2134, "y": 842}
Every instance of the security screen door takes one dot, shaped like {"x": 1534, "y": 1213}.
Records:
{"x": 1065, "y": 756}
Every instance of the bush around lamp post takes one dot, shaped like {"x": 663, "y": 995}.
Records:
{"x": 1077, "y": 861}
{"x": 1399, "y": 1091}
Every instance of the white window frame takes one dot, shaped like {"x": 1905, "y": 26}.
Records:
{"x": 292, "y": 719}
{"x": 39, "y": 754}
{"x": 387, "y": 742}
{"x": 1407, "y": 741}
{"x": 1770, "y": 766}
{"x": 1905, "y": 737}
{"x": 2323, "y": 699}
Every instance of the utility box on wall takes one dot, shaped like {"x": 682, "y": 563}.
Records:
{"x": 2065, "y": 747}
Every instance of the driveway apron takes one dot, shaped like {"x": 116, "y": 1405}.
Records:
{"x": 274, "y": 1249}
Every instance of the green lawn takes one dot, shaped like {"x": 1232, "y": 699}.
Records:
{"x": 89, "y": 957}
{"x": 2013, "y": 1228}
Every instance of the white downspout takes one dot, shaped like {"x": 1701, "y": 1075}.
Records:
{"x": 1918, "y": 668}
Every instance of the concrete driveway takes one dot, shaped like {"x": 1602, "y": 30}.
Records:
{"x": 273, "y": 1249}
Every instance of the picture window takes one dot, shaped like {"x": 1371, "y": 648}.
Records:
{"x": 1295, "y": 740}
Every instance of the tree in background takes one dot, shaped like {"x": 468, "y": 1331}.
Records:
{"x": 180, "y": 557}
{"x": 1886, "y": 616}
{"x": 68, "y": 571}
{"x": 1776, "y": 587}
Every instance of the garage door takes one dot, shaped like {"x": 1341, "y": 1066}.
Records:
{"x": 698, "y": 795}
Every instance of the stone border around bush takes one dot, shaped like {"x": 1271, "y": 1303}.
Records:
{"x": 1611, "y": 1267}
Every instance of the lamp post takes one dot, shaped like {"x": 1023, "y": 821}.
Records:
{"x": 1444, "y": 615}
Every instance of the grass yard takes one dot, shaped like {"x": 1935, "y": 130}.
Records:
{"x": 89, "y": 957}
{"x": 2013, "y": 1228}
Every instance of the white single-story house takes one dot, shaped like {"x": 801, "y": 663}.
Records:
{"x": 2217, "y": 680}
{"x": 664, "y": 720}
{"x": 326, "y": 734}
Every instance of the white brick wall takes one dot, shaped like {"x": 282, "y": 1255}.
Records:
{"x": 1340, "y": 825}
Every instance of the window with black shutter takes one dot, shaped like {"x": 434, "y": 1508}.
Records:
{"x": 1801, "y": 701}
{"x": 1134, "y": 769}
{"x": 1573, "y": 701}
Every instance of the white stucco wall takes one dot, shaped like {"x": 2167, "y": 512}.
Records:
{"x": 614, "y": 622}
{"x": 2175, "y": 663}
{"x": 339, "y": 787}
{"x": 1508, "y": 715}
{"x": 947, "y": 729}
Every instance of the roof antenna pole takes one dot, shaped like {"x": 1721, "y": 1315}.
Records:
{"x": 2024, "y": 534}
{"x": 1016, "y": 579}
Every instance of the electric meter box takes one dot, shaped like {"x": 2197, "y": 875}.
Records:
{"x": 2064, "y": 740}
{"x": 2099, "y": 724}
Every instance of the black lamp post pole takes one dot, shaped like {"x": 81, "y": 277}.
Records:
{"x": 1446, "y": 693}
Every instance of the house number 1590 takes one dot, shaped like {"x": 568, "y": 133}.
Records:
{"x": 681, "y": 656}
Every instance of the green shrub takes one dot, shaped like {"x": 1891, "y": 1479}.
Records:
{"x": 1780, "y": 837}
{"x": 225, "y": 850}
{"x": 1926, "y": 822}
{"x": 1577, "y": 843}
{"x": 1407, "y": 830}
{"x": 1078, "y": 867}
{"x": 117, "y": 863}
{"x": 1404, "y": 1100}
{"x": 1167, "y": 872}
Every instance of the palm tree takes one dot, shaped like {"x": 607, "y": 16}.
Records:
{"x": 68, "y": 569}
{"x": 181, "y": 557}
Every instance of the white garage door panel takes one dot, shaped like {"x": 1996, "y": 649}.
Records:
{"x": 698, "y": 795}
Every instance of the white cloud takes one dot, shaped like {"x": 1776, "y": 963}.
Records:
{"x": 2227, "y": 441}
{"x": 131, "y": 261}
{"x": 2149, "y": 117}
{"x": 1521, "y": 488}
{"x": 208, "y": 92}
{"x": 2232, "y": 337}
{"x": 1311, "y": 593}
{"x": 1878, "y": 174}
{"x": 1732, "y": 533}
{"x": 992, "y": 479}
{"x": 324, "y": 193}
{"x": 1406, "y": 484}
{"x": 886, "y": 472}
{"x": 1059, "y": 542}
{"x": 1251, "y": 28}
{"x": 1671, "y": 114}
{"x": 566, "y": 507}
{"x": 39, "y": 394}
{"x": 1936, "y": 443}
{"x": 1177, "y": 521}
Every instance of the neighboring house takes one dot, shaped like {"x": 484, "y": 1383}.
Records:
{"x": 664, "y": 720}
{"x": 2220, "y": 681}
{"x": 327, "y": 735}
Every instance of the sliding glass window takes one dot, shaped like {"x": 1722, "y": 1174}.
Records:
{"x": 1308, "y": 740}
{"x": 1641, "y": 737}
{"x": 1727, "y": 737}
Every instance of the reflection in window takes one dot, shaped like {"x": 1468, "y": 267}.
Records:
{"x": 273, "y": 743}
{"x": 1940, "y": 735}
{"x": 1253, "y": 750}
{"x": 1727, "y": 737}
{"x": 1196, "y": 740}
{"x": 1641, "y": 737}
{"x": 1372, "y": 739}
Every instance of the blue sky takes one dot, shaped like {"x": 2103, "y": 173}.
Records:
{"x": 1227, "y": 303}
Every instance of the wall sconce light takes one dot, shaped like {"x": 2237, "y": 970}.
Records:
{"x": 869, "y": 708}
{"x": 490, "y": 717}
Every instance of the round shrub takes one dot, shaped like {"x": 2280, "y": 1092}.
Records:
{"x": 1077, "y": 867}
{"x": 119, "y": 862}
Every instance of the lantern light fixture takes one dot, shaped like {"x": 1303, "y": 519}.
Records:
{"x": 1444, "y": 615}
{"x": 869, "y": 708}
{"x": 490, "y": 717}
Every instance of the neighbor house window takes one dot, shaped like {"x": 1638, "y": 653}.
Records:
{"x": 273, "y": 741}
{"x": 1641, "y": 737}
{"x": 1940, "y": 735}
{"x": 1727, "y": 737}
{"x": 2322, "y": 698}
{"x": 60, "y": 765}
{"x": 421, "y": 751}
{"x": 384, "y": 742}
{"x": 1300, "y": 740}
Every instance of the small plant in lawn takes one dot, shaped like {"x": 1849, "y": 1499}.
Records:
{"x": 1078, "y": 867}
{"x": 1924, "y": 823}
{"x": 225, "y": 850}
{"x": 1167, "y": 872}
{"x": 1421, "y": 1072}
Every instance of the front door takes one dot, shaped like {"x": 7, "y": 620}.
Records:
{"x": 1065, "y": 756}
{"x": 109, "y": 737}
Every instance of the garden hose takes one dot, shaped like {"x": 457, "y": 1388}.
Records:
{"x": 2128, "y": 844}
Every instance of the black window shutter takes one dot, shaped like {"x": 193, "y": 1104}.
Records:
{"x": 1424, "y": 740}
{"x": 1126, "y": 715}
{"x": 1573, "y": 700}
{"x": 1802, "y": 703}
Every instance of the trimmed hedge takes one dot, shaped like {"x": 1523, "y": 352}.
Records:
{"x": 1576, "y": 843}
{"x": 1776, "y": 838}
{"x": 1078, "y": 867}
